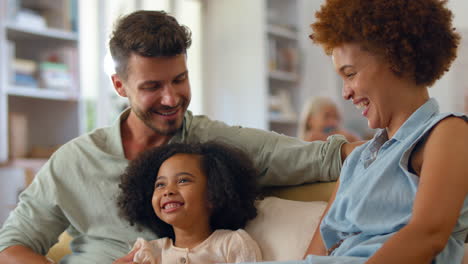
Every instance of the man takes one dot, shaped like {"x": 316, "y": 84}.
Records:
{"x": 76, "y": 189}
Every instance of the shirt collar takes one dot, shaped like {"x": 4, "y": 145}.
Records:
{"x": 421, "y": 115}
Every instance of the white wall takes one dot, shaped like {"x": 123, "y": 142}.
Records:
{"x": 319, "y": 77}
{"x": 235, "y": 82}
{"x": 452, "y": 89}
{"x": 234, "y": 62}
{"x": 460, "y": 10}
{"x": 235, "y": 54}
{"x": 188, "y": 13}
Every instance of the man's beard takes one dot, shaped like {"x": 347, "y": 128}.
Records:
{"x": 171, "y": 126}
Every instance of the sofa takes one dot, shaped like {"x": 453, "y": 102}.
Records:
{"x": 284, "y": 226}
{"x": 258, "y": 228}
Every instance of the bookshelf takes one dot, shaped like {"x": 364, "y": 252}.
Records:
{"x": 282, "y": 34}
{"x": 40, "y": 98}
{"x": 256, "y": 61}
{"x": 24, "y": 33}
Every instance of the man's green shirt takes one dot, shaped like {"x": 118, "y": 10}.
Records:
{"x": 77, "y": 188}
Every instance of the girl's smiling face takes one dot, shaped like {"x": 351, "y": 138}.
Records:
{"x": 180, "y": 194}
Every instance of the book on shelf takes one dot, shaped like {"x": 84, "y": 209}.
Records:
{"x": 69, "y": 56}
{"x": 54, "y": 14}
{"x": 25, "y": 80}
{"x": 58, "y": 16}
{"x": 18, "y": 135}
{"x": 73, "y": 9}
{"x": 24, "y": 72}
{"x": 59, "y": 68}
{"x": 10, "y": 57}
{"x": 272, "y": 60}
{"x": 282, "y": 55}
{"x": 54, "y": 75}
{"x": 30, "y": 18}
{"x": 280, "y": 105}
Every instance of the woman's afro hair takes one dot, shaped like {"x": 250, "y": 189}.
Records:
{"x": 415, "y": 36}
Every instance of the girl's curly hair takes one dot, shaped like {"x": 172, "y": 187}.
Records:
{"x": 415, "y": 36}
{"x": 231, "y": 185}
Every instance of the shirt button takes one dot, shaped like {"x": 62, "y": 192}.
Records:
{"x": 183, "y": 260}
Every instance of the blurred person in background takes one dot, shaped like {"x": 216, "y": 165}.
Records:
{"x": 321, "y": 118}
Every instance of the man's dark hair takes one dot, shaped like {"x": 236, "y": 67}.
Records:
{"x": 231, "y": 186}
{"x": 148, "y": 34}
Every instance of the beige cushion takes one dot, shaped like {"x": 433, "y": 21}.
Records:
{"x": 62, "y": 248}
{"x": 283, "y": 228}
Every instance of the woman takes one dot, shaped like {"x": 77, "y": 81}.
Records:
{"x": 402, "y": 195}
{"x": 320, "y": 118}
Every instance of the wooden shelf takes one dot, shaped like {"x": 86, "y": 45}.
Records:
{"x": 21, "y": 32}
{"x": 283, "y": 32}
{"x": 282, "y": 76}
{"x": 42, "y": 93}
{"x": 286, "y": 120}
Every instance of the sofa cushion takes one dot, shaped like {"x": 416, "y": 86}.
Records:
{"x": 283, "y": 228}
{"x": 320, "y": 191}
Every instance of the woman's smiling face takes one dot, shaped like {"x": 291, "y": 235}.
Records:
{"x": 369, "y": 82}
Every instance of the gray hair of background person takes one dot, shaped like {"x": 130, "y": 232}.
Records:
{"x": 311, "y": 107}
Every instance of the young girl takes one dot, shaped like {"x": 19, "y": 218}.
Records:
{"x": 195, "y": 197}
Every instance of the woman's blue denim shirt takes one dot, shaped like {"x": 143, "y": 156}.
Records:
{"x": 377, "y": 191}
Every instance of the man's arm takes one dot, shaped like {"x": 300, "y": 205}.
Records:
{"x": 37, "y": 221}
{"x": 21, "y": 255}
{"x": 281, "y": 160}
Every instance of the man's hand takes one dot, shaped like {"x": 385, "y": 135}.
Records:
{"x": 127, "y": 259}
